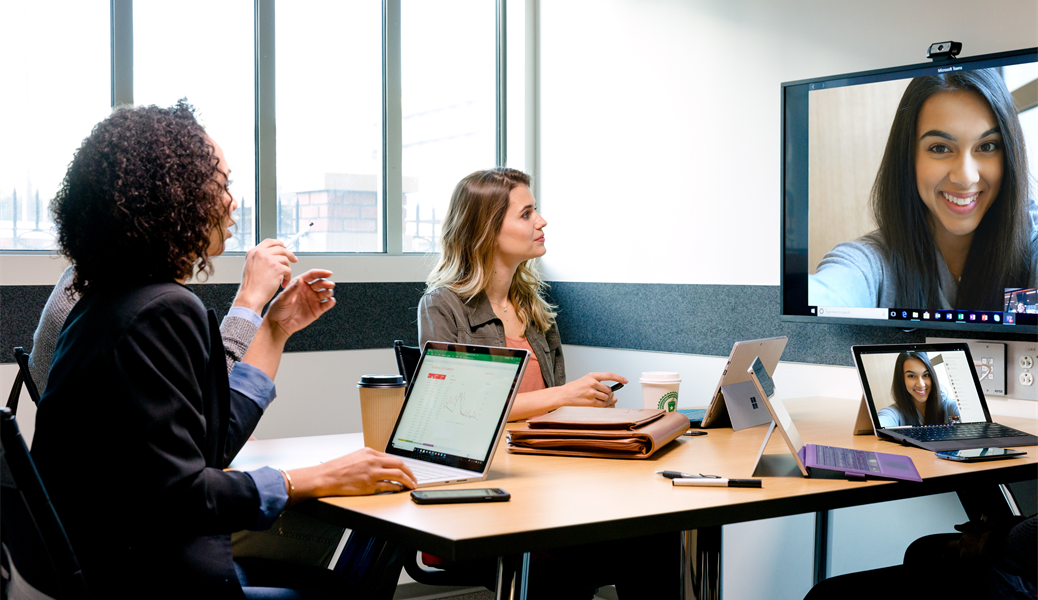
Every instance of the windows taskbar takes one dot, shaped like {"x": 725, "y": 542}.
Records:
{"x": 922, "y": 316}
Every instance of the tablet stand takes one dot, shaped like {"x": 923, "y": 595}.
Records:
{"x": 863, "y": 424}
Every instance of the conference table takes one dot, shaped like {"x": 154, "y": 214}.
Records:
{"x": 564, "y": 501}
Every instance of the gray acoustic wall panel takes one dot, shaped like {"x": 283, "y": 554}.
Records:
{"x": 692, "y": 319}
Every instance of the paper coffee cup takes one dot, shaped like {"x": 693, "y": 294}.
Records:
{"x": 381, "y": 397}
{"x": 660, "y": 389}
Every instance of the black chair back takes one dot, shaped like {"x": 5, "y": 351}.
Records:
{"x": 35, "y": 537}
{"x": 407, "y": 358}
{"x": 23, "y": 377}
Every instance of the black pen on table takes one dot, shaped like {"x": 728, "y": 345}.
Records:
{"x": 700, "y": 480}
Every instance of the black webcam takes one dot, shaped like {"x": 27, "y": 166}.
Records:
{"x": 943, "y": 50}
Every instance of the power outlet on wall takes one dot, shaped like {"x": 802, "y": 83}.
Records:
{"x": 1005, "y": 368}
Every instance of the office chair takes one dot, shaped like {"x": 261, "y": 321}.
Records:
{"x": 407, "y": 358}
{"x": 38, "y": 544}
{"x": 23, "y": 376}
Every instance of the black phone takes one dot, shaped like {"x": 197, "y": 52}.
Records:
{"x": 459, "y": 496}
{"x": 975, "y": 454}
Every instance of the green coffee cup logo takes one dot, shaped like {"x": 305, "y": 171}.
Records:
{"x": 669, "y": 402}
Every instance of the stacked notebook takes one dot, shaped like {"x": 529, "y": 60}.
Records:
{"x": 598, "y": 432}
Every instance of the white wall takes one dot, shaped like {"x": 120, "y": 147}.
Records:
{"x": 659, "y": 145}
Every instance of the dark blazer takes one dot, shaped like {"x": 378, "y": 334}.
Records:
{"x": 132, "y": 435}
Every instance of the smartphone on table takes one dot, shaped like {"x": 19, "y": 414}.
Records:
{"x": 460, "y": 496}
{"x": 977, "y": 454}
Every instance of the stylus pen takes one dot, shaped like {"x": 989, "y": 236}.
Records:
{"x": 680, "y": 475}
{"x": 295, "y": 238}
{"x": 704, "y": 482}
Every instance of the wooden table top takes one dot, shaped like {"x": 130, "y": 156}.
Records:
{"x": 561, "y": 501}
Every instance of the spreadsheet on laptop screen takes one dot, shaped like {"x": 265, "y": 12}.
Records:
{"x": 456, "y": 403}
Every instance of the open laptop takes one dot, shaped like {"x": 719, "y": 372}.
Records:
{"x": 730, "y": 404}
{"x": 455, "y": 411}
{"x": 960, "y": 415}
{"x": 855, "y": 464}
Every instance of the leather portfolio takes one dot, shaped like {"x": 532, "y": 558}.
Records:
{"x": 598, "y": 432}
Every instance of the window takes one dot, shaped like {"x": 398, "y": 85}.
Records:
{"x": 447, "y": 105}
{"x": 369, "y": 98}
{"x": 203, "y": 51}
{"x": 56, "y": 81}
{"x": 329, "y": 125}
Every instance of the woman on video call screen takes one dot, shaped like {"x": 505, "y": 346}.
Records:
{"x": 956, "y": 225}
{"x": 918, "y": 397}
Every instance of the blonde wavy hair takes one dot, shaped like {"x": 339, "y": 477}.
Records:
{"x": 468, "y": 238}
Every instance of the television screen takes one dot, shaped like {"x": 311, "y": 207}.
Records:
{"x": 909, "y": 197}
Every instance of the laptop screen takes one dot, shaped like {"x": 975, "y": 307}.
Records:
{"x": 916, "y": 385}
{"x": 456, "y": 404}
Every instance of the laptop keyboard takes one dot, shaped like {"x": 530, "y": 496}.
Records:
{"x": 428, "y": 471}
{"x": 846, "y": 459}
{"x": 959, "y": 431}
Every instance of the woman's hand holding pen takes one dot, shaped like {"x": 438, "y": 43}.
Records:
{"x": 268, "y": 267}
{"x": 590, "y": 391}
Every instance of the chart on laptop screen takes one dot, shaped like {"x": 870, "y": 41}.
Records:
{"x": 908, "y": 383}
{"x": 456, "y": 403}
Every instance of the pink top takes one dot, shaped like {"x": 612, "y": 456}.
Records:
{"x": 532, "y": 378}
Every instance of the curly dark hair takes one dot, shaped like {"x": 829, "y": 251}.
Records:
{"x": 140, "y": 198}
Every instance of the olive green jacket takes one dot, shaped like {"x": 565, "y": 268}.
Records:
{"x": 444, "y": 317}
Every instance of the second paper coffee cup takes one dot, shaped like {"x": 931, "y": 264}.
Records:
{"x": 660, "y": 389}
{"x": 381, "y": 397}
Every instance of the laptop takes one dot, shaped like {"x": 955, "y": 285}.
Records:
{"x": 956, "y": 414}
{"x": 730, "y": 404}
{"x": 455, "y": 410}
{"x": 854, "y": 464}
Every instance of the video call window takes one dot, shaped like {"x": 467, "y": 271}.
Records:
{"x": 916, "y": 388}
{"x": 884, "y": 172}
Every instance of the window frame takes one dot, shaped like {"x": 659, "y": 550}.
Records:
{"x": 265, "y": 93}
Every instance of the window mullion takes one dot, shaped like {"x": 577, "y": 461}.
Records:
{"x": 266, "y": 171}
{"x": 392, "y": 126}
{"x": 501, "y": 56}
{"x": 122, "y": 52}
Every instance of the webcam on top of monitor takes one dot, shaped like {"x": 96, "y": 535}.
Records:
{"x": 943, "y": 50}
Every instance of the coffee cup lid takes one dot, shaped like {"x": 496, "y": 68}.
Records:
{"x": 660, "y": 377}
{"x": 381, "y": 381}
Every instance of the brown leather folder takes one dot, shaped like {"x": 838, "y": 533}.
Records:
{"x": 588, "y": 417}
{"x": 635, "y": 435}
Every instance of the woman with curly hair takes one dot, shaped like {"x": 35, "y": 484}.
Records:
{"x": 486, "y": 290}
{"x": 139, "y": 397}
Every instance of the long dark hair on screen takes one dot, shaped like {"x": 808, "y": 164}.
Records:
{"x": 1000, "y": 254}
{"x": 935, "y": 413}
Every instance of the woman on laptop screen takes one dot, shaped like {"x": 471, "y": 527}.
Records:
{"x": 918, "y": 397}
{"x": 955, "y": 223}
{"x": 486, "y": 290}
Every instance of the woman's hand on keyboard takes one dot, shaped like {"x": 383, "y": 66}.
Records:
{"x": 359, "y": 473}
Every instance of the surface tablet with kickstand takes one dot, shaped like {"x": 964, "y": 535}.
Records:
{"x": 730, "y": 403}
{"x": 855, "y": 464}
{"x": 942, "y": 378}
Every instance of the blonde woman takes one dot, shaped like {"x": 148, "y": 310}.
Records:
{"x": 486, "y": 290}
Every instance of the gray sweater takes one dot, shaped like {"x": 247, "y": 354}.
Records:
{"x": 857, "y": 274}
{"x": 237, "y": 333}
